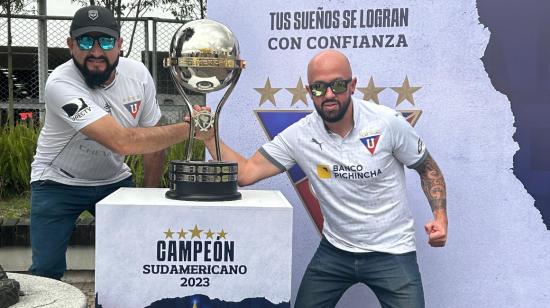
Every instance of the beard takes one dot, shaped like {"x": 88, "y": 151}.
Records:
{"x": 96, "y": 79}
{"x": 336, "y": 115}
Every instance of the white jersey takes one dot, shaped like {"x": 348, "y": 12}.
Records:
{"x": 359, "y": 180}
{"x": 65, "y": 155}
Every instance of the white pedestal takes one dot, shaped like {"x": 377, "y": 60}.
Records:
{"x": 153, "y": 251}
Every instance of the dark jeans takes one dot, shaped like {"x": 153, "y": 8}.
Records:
{"x": 394, "y": 279}
{"x": 55, "y": 208}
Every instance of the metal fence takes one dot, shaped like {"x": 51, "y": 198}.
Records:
{"x": 144, "y": 39}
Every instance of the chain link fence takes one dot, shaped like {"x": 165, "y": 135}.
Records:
{"x": 144, "y": 39}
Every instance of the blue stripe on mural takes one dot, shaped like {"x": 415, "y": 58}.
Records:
{"x": 519, "y": 69}
{"x": 274, "y": 122}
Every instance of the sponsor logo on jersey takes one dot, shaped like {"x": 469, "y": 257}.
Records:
{"x": 107, "y": 107}
{"x": 354, "y": 172}
{"x": 76, "y": 108}
{"x": 323, "y": 171}
{"x": 420, "y": 145}
{"x": 320, "y": 144}
{"x": 133, "y": 108}
{"x": 371, "y": 142}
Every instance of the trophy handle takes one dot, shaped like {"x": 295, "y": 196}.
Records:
{"x": 217, "y": 113}
{"x": 190, "y": 139}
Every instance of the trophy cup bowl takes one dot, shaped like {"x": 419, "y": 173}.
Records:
{"x": 204, "y": 57}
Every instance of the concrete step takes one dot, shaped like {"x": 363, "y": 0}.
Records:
{"x": 16, "y": 232}
{"x": 18, "y": 258}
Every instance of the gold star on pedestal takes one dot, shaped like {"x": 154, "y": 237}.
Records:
{"x": 405, "y": 92}
{"x": 169, "y": 233}
{"x": 267, "y": 92}
{"x": 371, "y": 91}
{"x": 222, "y": 234}
{"x": 182, "y": 233}
{"x": 299, "y": 93}
{"x": 195, "y": 232}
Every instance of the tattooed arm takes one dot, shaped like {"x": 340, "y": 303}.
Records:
{"x": 433, "y": 184}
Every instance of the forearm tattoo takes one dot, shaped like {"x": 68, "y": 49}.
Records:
{"x": 433, "y": 183}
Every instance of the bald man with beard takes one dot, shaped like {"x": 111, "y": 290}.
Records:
{"x": 368, "y": 231}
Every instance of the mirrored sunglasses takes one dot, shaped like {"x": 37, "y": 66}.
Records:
{"x": 319, "y": 88}
{"x": 86, "y": 42}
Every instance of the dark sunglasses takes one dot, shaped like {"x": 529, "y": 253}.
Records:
{"x": 319, "y": 88}
{"x": 86, "y": 42}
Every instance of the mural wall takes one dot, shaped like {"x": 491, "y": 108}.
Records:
{"x": 473, "y": 80}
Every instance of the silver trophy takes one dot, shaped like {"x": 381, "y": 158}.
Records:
{"x": 204, "y": 57}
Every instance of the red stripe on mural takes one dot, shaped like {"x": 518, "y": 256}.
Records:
{"x": 311, "y": 203}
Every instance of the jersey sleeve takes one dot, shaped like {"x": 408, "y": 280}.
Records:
{"x": 408, "y": 147}
{"x": 151, "y": 113}
{"x": 279, "y": 151}
{"x": 72, "y": 103}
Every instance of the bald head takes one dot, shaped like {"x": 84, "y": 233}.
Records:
{"x": 328, "y": 65}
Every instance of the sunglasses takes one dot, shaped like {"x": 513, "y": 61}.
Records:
{"x": 319, "y": 88}
{"x": 86, "y": 42}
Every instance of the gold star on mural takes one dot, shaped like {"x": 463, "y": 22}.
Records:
{"x": 182, "y": 233}
{"x": 405, "y": 92}
{"x": 195, "y": 232}
{"x": 209, "y": 234}
{"x": 222, "y": 234}
{"x": 299, "y": 93}
{"x": 168, "y": 233}
{"x": 371, "y": 91}
{"x": 267, "y": 92}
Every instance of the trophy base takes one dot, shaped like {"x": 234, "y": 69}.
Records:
{"x": 201, "y": 181}
{"x": 201, "y": 197}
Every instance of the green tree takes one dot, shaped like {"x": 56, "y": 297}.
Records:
{"x": 194, "y": 9}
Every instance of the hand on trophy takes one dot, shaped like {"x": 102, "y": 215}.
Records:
{"x": 207, "y": 135}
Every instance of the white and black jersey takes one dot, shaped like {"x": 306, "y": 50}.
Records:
{"x": 67, "y": 156}
{"x": 359, "y": 180}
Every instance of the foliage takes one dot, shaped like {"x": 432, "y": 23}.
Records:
{"x": 17, "y": 147}
{"x": 186, "y": 10}
{"x": 14, "y": 5}
{"x": 18, "y": 6}
{"x": 16, "y": 207}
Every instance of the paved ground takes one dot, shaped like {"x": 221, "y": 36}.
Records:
{"x": 85, "y": 281}
{"x": 88, "y": 289}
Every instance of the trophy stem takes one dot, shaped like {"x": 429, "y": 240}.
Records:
{"x": 217, "y": 114}
{"x": 190, "y": 139}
